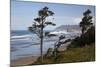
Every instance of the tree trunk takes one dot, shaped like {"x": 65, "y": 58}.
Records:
{"x": 41, "y": 45}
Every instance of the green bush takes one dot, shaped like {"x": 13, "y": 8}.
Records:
{"x": 87, "y": 38}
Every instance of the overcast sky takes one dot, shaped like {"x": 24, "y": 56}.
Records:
{"x": 23, "y": 13}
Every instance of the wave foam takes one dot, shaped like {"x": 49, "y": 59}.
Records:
{"x": 21, "y": 36}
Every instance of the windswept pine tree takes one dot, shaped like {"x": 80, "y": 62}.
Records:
{"x": 39, "y": 24}
{"x": 86, "y": 21}
{"x": 88, "y": 31}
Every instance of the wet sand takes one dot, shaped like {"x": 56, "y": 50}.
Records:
{"x": 23, "y": 61}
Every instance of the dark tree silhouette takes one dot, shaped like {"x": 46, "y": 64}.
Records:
{"x": 86, "y": 21}
{"x": 57, "y": 45}
{"x": 39, "y": 24}
{"x": 88, "y": 31}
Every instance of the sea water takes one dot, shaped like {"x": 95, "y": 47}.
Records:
{"x": 25, "y": 44}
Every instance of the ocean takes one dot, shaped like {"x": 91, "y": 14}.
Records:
{"x": 25, "y": 44}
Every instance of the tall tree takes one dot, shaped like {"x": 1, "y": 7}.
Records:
{"x": 39, "y": 24}
{"x": 86, "y": 21}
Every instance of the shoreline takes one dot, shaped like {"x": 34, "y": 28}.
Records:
{"x": 23, "y": 61}
{"x": 31, "y": 59}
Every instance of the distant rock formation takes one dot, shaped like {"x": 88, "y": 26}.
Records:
{"x": 68, "y": 28}
{"x": 65, "y": 29}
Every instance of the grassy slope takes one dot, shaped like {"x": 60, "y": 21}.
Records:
{"x": 80, "y": 54}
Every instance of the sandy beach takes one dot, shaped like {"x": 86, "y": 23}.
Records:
{"x": 32, "y": 59}
{"x": 23, "y": 61}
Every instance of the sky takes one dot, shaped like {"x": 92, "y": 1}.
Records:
{"x": 23, "y": 13}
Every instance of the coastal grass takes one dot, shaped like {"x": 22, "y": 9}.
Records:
{"x": 79, "y": 54}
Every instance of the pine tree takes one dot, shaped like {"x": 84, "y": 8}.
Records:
{"x": 39, "y": 24}
{"x": 86, "y": 21}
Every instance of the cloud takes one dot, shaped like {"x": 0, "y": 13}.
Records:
{"x": 63, "y": 20}
{"x": 67, "y": 20}
{"x": 77, "y": 20}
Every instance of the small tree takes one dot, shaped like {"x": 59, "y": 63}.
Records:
{"x": 86, "y": 21}
{"x": 39, "y": 24}
{"x": 57, "y": 45}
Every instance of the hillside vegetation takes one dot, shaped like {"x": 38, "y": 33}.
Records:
{"x": 84, "y": 54}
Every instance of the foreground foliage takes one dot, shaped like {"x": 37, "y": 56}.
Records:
{"x": 83, "y": 54}
{"x": 85, "y": 39}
